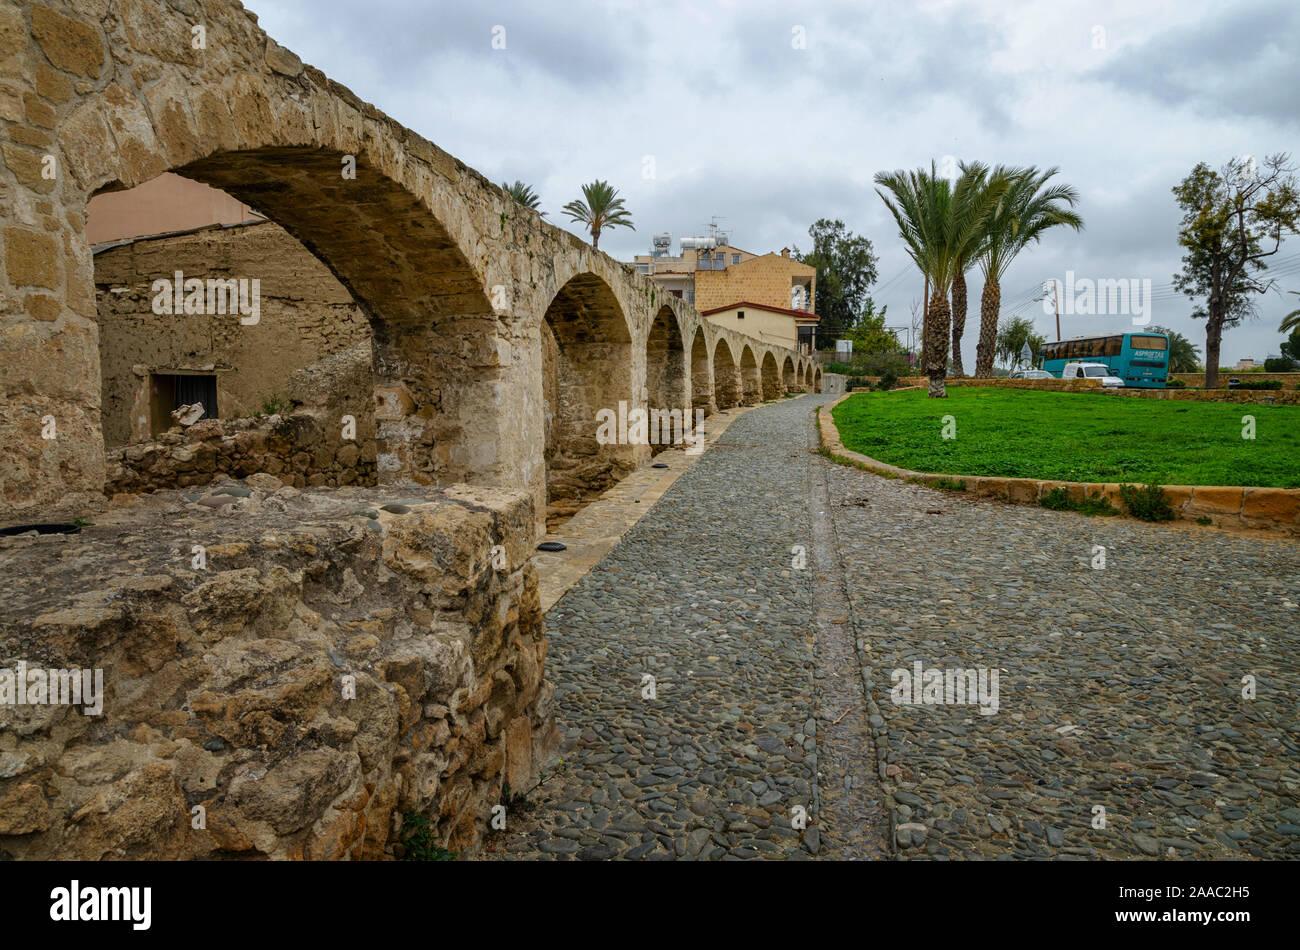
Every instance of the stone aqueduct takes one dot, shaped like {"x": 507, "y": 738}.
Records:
{"x": 496, "y": 335}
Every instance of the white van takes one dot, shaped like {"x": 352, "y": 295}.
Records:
{"x": 1091, "y": 371}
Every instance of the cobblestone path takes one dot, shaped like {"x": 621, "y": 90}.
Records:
{"x": 704, "y": 595}
{"x": 1119, "y": 688}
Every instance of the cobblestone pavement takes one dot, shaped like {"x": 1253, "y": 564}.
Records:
{"x": 1118, "y": 687}
{"x": 703, "y": 595}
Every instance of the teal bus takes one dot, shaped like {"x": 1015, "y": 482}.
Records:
{"x": 1140, "y": 359}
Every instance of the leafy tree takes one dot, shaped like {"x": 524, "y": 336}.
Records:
{"x": 602, "y": 209}
{"x": 1011, "y": 338}
{"x": 1029, "y": 208}
{"x": 846, "y": 269}
{"x": 1291, "y": 346}
{"x": 942, "y": 224}
{"x": 1184, "y": 357}
{"x": 1233, "y": 219}
{"x": 869, "y": 334}
{"x": 523, "y": 194}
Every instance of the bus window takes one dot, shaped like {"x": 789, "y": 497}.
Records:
{"x": 1148, "y": 342}
{"x": 1114, "y": 345}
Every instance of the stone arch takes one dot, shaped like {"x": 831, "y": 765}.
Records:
{"x": 701, "y": 376}
{"x": 358, "y": 191}
{"x": 807, "y": 377}
{"x": 666, "y": 372}
{"x": 817, "y": 380}
{"x": 771, "y": 377}
{"x": 307, "y": 348}
{"x": 789, "y": 381}
{"x": 751, "y": 386}
{"x": 726, "y": 378}
{"x": 586, "y": 373}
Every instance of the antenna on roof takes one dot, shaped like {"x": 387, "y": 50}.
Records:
{"x": 722, "y": 237}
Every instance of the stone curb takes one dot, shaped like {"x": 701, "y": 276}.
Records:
{"x": 1274, "y": 509}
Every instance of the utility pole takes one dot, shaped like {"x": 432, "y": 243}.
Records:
{"x": 1056, "y": 297}
{"x": 1056, "y": 301}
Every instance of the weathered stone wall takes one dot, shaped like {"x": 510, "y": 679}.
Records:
{"x": 1271, "y": 397}
{"x": 301, "y": 449}
{"x": 329, "y": 438}
{"x": 305, "y": 314}
{"x": 1289, "y": 380}
{"x": 228, "y": 687}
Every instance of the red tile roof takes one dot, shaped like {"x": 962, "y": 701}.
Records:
{"x": 803, "y": 314}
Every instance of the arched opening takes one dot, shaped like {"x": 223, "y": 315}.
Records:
{"x": 200, "y": 299}
{"x": 808, "y": 378}
{"x": 726, "y": 380}
{"x": 789, "y": 380}
{"x": 817, "y": 381}
{"x": 586, "y": 373}
{"x": 771, "y": 378}
{"x": 665, "y": 371}
{"x": 751, "y": 386}
{"x": 701, "y": 381}
{"x": 418, "y": 308}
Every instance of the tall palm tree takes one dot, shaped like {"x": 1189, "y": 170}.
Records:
{"x": 601, "y": 209}
{"x": 1292, "y": 320}
{"x": 958, "y": 316}
{"x": 524, "y": 194}
{"x": 1026, "y": 210}
{"x": 942, "y": 224}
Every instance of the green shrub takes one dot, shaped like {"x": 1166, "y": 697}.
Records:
{"x": 1175, "y": 384}
{"x": 1279, "y": 365}
{"x": 1204, "y": 520}
{"x": 1058, "y": 499}
{"x": 420, "y": 840}
{"x": 1147, "y": 502}
{"x": 275, "y": 404}
{"x": 1260, "y": 384}
{"x": 887, "y": 381}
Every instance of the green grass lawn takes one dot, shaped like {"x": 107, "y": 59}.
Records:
{"x": 1079, "y": 437}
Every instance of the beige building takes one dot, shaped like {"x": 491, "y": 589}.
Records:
{"x": 780, "y": 326}
{"x": 729, "y": 285}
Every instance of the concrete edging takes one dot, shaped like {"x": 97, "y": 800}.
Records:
{"x": 1274, "y": 509}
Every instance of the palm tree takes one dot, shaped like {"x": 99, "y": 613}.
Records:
{"x": 942, "y": 224}
{"x": 523, "y": 194}
{"x": 602, "y": 209}
{"x": 1024, "y": 213}
{"x": 1184, "y": 356}
{"x": 1291, "y": 321}
{"x": 958, "y": 316}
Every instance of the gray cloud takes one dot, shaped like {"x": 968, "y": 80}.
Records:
{"x": 1240, "y": 61}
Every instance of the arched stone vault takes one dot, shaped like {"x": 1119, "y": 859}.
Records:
{"x": 751, "y": 387}
{"x": 726, "y": 376}
{"x": 456, "y": 278}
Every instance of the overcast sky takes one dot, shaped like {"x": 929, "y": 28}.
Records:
{"x": 701, "y": 109}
